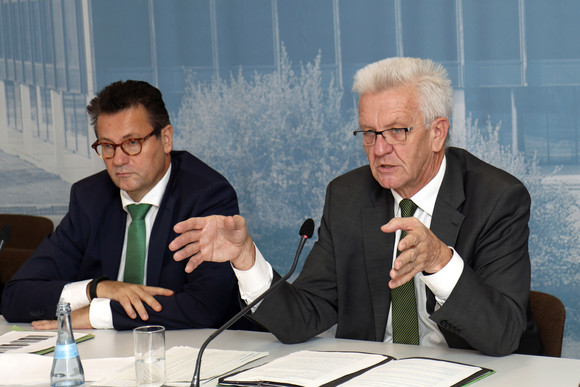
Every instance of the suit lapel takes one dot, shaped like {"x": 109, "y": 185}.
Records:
{"x": 378, "y": 248}
{"x": 158, "y": 240}
{"x": 447, "y": 218}
{"x": 113, "y": 238}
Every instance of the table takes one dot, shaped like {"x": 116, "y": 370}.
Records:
{"x": 512, "y": 370}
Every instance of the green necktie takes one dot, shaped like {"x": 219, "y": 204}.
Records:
{"x": 135, "y": 257}
{"x": 405, "y": 323}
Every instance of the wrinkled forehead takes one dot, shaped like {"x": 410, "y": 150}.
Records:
{"x": 387, "y": 107}
{"x": 131, "y": 122}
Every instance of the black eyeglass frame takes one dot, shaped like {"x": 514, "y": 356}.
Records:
{"x": 377, "y": 132}
{"x": 122, "y": 145}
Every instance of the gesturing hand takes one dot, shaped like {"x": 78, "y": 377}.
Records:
{"x": 420, "y": 250}
{"x": 214, "y": 238}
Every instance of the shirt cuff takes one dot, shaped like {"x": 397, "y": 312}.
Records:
{"x": 256, "y": 280}
{"x": 100, "y": 314}
{"x": 443, "y": 282}
{"x": 75, "y": 293}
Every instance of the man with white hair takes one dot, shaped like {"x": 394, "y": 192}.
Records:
{"x": 461, "y": 275}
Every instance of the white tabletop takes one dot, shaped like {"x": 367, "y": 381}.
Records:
{"x": 513, "y": 370}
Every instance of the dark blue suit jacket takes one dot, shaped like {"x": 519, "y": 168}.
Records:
{"x": 89, "y": 240}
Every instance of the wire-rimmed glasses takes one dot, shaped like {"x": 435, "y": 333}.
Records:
{"x": 392, "y": 136}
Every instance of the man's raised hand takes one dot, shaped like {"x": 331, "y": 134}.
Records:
{"x": 214, "y": 238}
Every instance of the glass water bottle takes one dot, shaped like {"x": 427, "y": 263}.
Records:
{"x": 67, "y": 369}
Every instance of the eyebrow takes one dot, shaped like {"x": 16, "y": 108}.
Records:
{"x": 385, "y": 127}
{"x": 126, "y": 137}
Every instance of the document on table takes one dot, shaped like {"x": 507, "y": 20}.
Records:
{"x": 39, "y": 342}
{"x": 321, "y": 368}
{"x": 180, "y": 364}
{"x": 413, "y": 372}
{"x": 306, "y": 368}
{"x": 30, "y": 369}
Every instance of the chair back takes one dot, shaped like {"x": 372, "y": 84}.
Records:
{"x": 550, "y": 314}
{"x": 28, "y": 231}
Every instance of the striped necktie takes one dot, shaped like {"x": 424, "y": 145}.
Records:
{"x": 404, "y": 304}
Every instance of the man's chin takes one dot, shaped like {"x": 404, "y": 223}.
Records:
{"x": 125, "y": 184}
{"x": 385, "y": 180}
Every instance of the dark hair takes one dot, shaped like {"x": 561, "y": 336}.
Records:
{"x": 122, "y": 95}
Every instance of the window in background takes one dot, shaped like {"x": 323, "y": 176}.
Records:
{"x": 76, "y": 124}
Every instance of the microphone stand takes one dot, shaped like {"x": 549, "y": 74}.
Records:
{"x": 306, "y": 232}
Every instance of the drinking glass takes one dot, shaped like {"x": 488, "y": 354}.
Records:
{"x": 149, "y": 355}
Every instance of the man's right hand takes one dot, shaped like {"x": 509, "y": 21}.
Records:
{"x": 214, "y": 238}
{"x": 131, "y": 296}
{"x": 79, "y": 319}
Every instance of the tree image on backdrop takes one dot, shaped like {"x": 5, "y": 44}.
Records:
{"x": 279, "y": 138}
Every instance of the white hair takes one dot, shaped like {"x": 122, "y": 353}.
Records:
{"x": 428, "y": 78}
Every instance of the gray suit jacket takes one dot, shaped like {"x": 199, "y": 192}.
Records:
{"x": 481, "y": 211}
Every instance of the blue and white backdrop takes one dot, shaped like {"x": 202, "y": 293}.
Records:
{"x": 260, "y": 89}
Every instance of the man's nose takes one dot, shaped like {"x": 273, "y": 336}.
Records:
{"x": 381, "y": 147}
{"x": 120, "y": 157}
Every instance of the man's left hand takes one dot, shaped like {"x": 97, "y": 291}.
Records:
{"x": 420, "y": 251}
{"x": 79, "y": 320}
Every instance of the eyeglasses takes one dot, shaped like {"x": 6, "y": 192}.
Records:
{"x": 392, "y": 136}
{"x": 131, "y": 147}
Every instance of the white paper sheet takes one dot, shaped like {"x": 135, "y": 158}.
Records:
{"x": 309, "y": 368}
{"x": 414, "y": 372}
{"x": 180, "y": 364}
{"x": 27, "y": 369}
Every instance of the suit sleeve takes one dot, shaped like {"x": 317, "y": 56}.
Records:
{"x": 204, "y": 298}
{"x": 487, "y": 307}
{"x": 297, "y": 312}
{"x": 205, "y": 302}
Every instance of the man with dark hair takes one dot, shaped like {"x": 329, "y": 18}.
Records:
{"x": 109, "y": 256}
{"x": 460, "y": 277}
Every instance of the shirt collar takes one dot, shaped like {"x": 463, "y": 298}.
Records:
{"x": 153, "y": 197}
{"x": 426, "y": 197}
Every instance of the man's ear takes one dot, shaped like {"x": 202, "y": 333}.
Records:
{"x": 440, "y": 130}
{"x": 167, "y": 138}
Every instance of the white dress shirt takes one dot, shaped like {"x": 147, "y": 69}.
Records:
{"x": 256, "y": 280}
{"x": 100, "y": 314}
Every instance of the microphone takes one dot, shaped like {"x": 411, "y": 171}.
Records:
{"x": 306, "y": 232}
{"x": 5, "y": 233}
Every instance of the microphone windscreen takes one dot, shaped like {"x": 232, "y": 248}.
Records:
{"x": 307, "y": 228}
{"x": 5, "y": 233}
